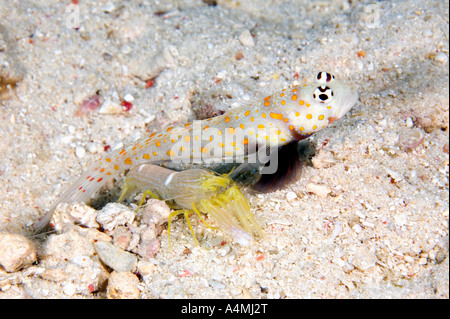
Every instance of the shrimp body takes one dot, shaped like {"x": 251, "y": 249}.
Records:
{"x": 200, "y": 191}
{"x": 278, "y": 119}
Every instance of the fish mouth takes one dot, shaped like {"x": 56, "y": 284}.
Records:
{"x": 351, "y": 100}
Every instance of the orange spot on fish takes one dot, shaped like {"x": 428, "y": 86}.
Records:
{"x": 277, "y": 116}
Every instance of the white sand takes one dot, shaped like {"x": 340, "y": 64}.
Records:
{"x": 382, "y": 232}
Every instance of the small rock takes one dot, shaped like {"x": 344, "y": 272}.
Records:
{"x": 148, "y": 249}
{"x": 409, "y": 139}
{"x": 239, "y": 56}
{"x": 122, "y": 237}
{"x": 122, "y": 285}
{"x": 364, "y": 259}
{"x": 54, "y": 274}
{"x": 126, "y": 48}
{"x": 150, "y": 232}
{"x": 216, "y": 284}
{"x": 114, "y": 214}
{"x": 145, "y": 267}
{"x": 320, "y": 190}
{"x": 69, "y": 289}
{"x": 246, "y": 38}
{"x": 67, "y": 246}
{"x": 16, "y": 252}
{"x": 400, "y": 219}
{"x": 110, "y": 107}
{"x": 155, "y": 212}
{"x": 323, "y": 160}
{"x": 108, "y": 7}
{"x": 441, "y": 57}
{"x": 409, "y": 122}
{"x": 80, "y": 151}
{"x": 224, "y": 250}
{"x": 88, "y": 105}
{"x": 290, "y": 196}
{"x": 67, "y": 214}
{"x": 114, "y": 257}
{"x": 441, "y": 255}
{"x": 146, "y": 66}
{"x": 128, "y": 97}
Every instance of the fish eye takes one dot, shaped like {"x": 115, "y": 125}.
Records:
{"x": 323, "y": 94}
{"x": 324, "y": 77}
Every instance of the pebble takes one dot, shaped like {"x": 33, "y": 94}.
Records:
{"x": 149, "y": 249}
{"x": 145, "y": 66}
{"x": 128, "y": 97}
{"x": 427, "y": 33}
{"x": 290, "y": 196}
{"x": 125, "y": 49}
{"x": 71, "y": 129}
{"x": 80, "y": 151}
{"x": 122, "y": 237}
{"x": 409, "y": 139}
{"x": 114, "y": 214}
{"x": 224, "y": 250}
{"x": 93, "y": 148}
{"x": 216, "y": 284}
{"x": 400, "y": 219}
{"x": 114, "y": 257}
{"x": 246, "y": 38}
{"x": 110, "y": 107}
{"x": 323, "y": 160}
{"x": 364, "y": 259}
{"x": 320, "y": 190}
{"x": 69, "y": 289}
{"x": 357, "y": 228}
{"x": 145, "y": 267}
{"x": 108, "y": 8}
{"x": 67, "y": 246}
{"x": 155, "y": 212}
{"x": 441, "y": 57}
{"x": 54, "y": 274}
{"x": 66, "y": 214}
{"x": 123, "y": 285}
{"x": 409, "y": 122}
{"x": 16, "y": 252}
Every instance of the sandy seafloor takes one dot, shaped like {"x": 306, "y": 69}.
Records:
{"x": 382, "y": 230}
